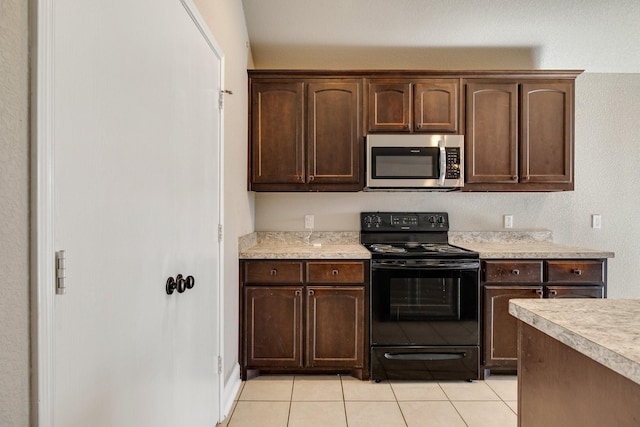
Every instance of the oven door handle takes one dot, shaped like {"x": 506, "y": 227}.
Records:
{"x": 425, "y": 264}
{"x": 425, "y": 356}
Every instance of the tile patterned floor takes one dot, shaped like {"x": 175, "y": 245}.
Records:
{"x": 342, "y": 401}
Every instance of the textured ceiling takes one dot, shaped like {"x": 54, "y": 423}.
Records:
{"x": 601, "y": 37}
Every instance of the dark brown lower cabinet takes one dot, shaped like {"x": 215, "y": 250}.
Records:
{"x": 501, "y": 328}
{"x": 335, "y": 326}
{"x": 503, "y": 280}
{"x": 311, "y": 322}
{"x": 273, "y": 331}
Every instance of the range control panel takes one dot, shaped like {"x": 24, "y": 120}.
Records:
{"x": 404, "y": 221}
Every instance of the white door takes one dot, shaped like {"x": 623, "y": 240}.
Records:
{"x": 136, "y": 131}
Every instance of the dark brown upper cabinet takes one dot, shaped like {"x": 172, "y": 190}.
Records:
{"x": 306, "y": 135}
{"x": 307, "y": 127}
{"x": 519, "y": 135}
{"x": 421, "y": 105}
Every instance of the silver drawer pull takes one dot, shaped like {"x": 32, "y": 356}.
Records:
{"x": 298, "y": 293}
{"x": 334, "y": 272}
{"x": 553, "y": 292}
{"x": 577, "y": 272}
{"x": 310, "y": 293}
{"x": 274, "y": 272}
{"x": 515, "y": 272}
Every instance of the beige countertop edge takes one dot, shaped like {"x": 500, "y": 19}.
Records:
{"x": 605, "y": 330}
{"x": 357, "y": 251}
{"x": 326, "y": 251}
{"x": 532, "y": 250}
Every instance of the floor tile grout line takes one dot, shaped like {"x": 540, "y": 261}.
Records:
{"x": 344, "y": 401}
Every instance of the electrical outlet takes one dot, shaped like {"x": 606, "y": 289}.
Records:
{"x": 507, "y": 221}
{"x": 596, "y": 221}
{"x": 308, "y": 222}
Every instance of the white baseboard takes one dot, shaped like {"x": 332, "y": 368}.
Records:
{"x": 230, "y": 393}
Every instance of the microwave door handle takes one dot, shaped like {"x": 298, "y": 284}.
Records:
{"x": 443, "y": 162}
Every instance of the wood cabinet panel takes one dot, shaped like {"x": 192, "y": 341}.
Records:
{"x": 335, "y": 272}
{"x": 553, "y": 278}
{"x": 547, "y": 149}
{"x": 389, "y": 106}
{"x": 512, "y": 271}
{"x": 491, "y": 145}
{"x": 576, "y": 271}
{"x": 334, "y": 135}
{"x": 500, "y": 328}
{"x": 559, "y": 386}
{"x": 574, "y": 291}
{"x": 519, "y": 135}
{"x": 277, "y": 149}
{"x": 316, "y": 322}
{"x": 335, "y": 326}
{"x": 273, "y": 272}
{"x": 417, "y": 105}
{"x": 273, "y": 326}
{"x": 435, "y": 105}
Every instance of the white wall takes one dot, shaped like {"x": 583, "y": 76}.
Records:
{"x": 226, "y": 21}
{"x": 607, "y": 149}
{"x": 14, "y": 213}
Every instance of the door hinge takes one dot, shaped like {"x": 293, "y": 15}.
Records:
{"x": 219, "y": 365}
{"x": 221, "y": 97}
{"x": 61, "y": 273}
{"x": 219, "y": 233}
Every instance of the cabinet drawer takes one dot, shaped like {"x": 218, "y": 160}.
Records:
{"x": 572, "y": 271}
{"x": 575, "y": 291}
{"x": 273, "y": 272}
{"x": 335, "y": 272}
{"x": 513, "y": 271}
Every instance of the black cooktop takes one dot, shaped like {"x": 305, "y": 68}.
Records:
{"x": 409, "y": 235}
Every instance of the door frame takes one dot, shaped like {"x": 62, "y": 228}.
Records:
{"x": 42, "y": 265}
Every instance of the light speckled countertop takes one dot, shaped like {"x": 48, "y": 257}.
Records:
{"x": 346, "y": 245}
{"x": 520, "y": 244}
{"x": 302, "y": 245}
{"x": 606, "y": 330}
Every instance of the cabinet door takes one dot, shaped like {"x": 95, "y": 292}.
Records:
{"x": 335, "y": 326}
{"x": 547, "y": 132}
{"x": 277, "y": 154}
{"x": 501, "y": 328}
{"x": 575, "y": 291}
{"x": 491, "y": 143}
{"x": 334, "y": 132}
{"x": 435, "y": 105}
{"x": 389, "y": 106}
{"x": 273, "y": 326}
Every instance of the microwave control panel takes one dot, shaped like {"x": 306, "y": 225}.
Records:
{"x": 453, "y": 163}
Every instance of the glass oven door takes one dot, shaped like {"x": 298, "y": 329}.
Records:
{"x": 424, "y": 303}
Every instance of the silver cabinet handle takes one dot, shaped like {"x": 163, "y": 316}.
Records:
{"x": 311, "y": 293}
{"x": 553, "y": 293}
{"x": 443, "y": 162}
{"x": 298, "y": 293}
{"x": 273, "y": 272}
{"x": 515, "y": 272}
{"x": 577, "y": 272}
{"x": 335, "y": 272}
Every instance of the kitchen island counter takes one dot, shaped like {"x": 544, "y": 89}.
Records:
{"x": 578, "y": 361}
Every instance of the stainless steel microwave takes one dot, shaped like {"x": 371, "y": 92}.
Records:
{"x": 414, "y": 162}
